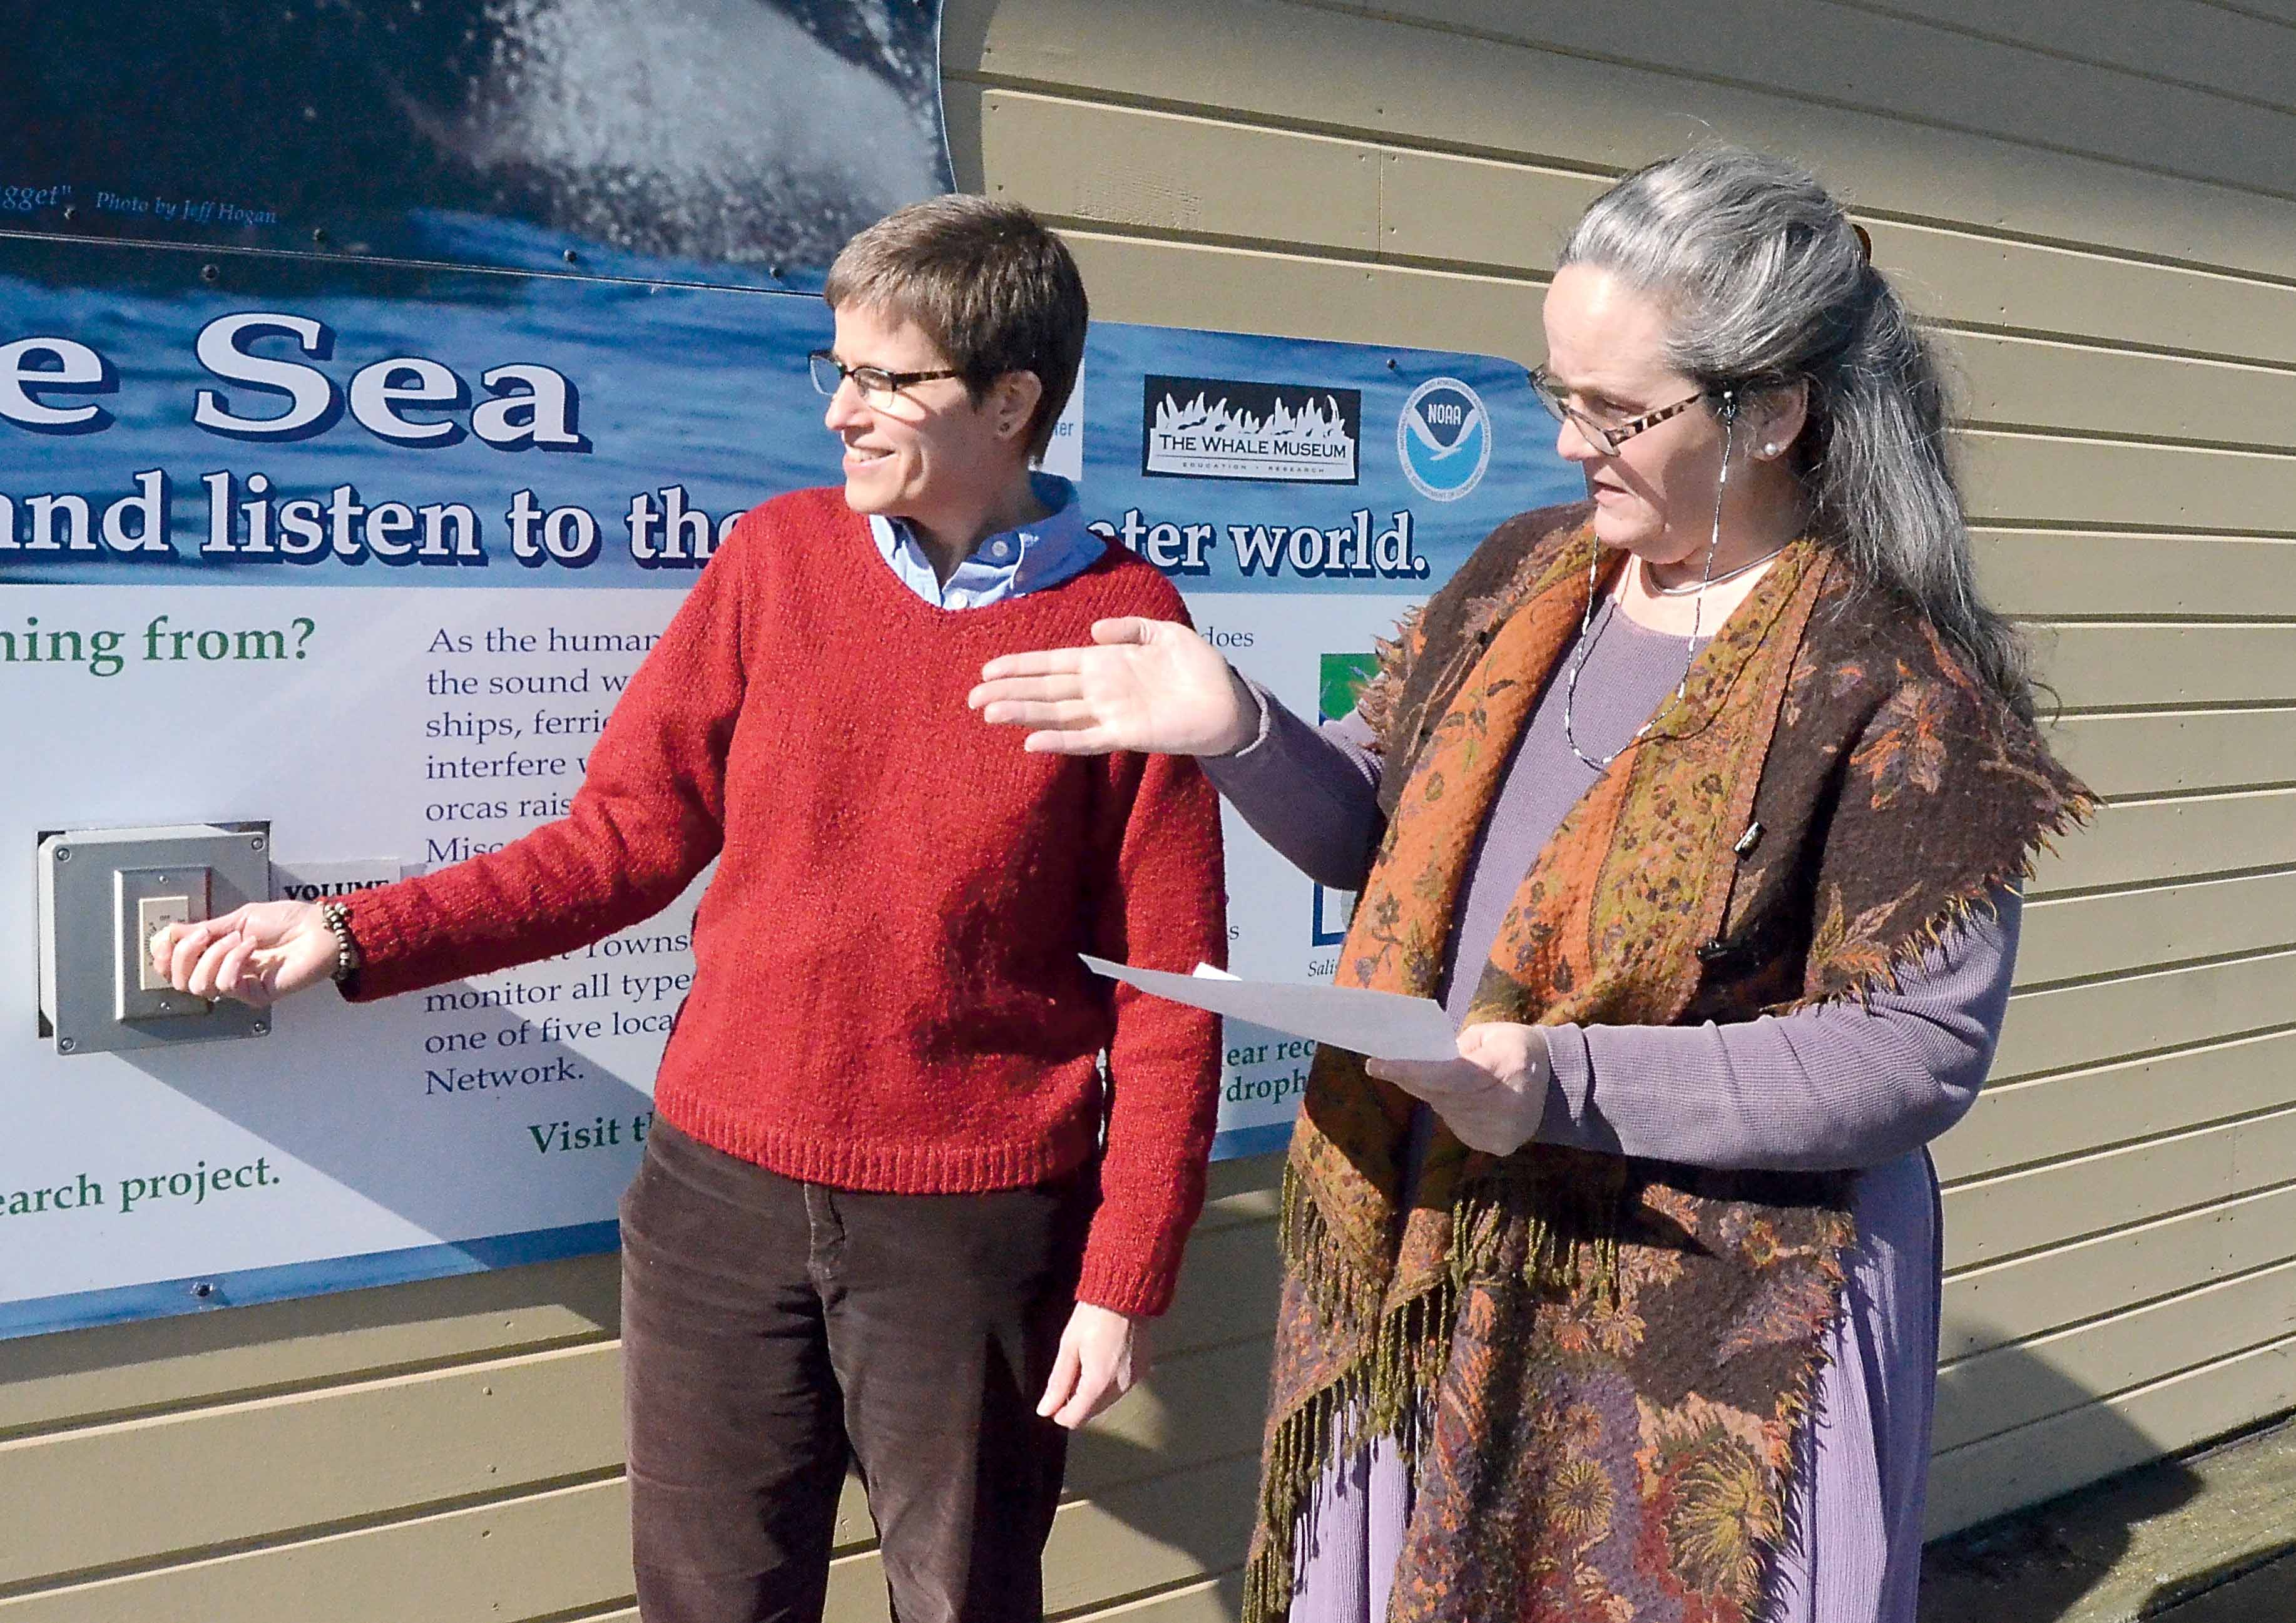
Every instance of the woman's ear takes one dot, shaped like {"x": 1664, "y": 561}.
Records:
{"x": 1013, "y": 401}
{"x": 1779, "y": 417}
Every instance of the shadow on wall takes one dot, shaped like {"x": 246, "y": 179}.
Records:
{"x": 2049, "y": 1563}
{"x": 1198, "y": 1519}
{"x": 475, "y": 1182}
{"x": 438, "y": 1182}
{"x": 2257, "y": 1588}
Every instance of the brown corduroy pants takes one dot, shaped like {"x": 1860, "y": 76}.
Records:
{"x": 774, "y": 1329}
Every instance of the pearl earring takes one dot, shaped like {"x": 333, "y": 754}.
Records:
{"x": 1770, "y": 448}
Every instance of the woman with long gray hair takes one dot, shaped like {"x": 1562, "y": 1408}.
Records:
{"x": 1702, "y": 805}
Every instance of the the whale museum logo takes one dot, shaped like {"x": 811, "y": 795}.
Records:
{"x": 1219, "y": 428}
{"x": 1443, "y": 439}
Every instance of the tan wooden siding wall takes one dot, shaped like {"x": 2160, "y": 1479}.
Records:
{"x": 2093, "y": 201}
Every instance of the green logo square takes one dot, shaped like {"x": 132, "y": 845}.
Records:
{"x": 1343, "y": 678}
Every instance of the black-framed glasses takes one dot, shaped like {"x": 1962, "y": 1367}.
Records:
{"x": 875, "y": 382}
{"x": 1608, "y": 437}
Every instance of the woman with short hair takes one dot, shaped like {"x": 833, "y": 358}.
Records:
{"x": 916, "y": 1181}
{"x": 1701, "y": 807}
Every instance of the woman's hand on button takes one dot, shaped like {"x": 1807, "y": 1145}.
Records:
{"x": 1493, "y": 1096}
{"x": 257, "y": 953}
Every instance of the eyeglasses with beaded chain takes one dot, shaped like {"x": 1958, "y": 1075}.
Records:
{"x": 1608, "y": 437}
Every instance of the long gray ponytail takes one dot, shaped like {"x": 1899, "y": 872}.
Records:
{"x": 1767, "y": 283}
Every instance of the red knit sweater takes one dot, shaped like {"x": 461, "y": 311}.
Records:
{"x": 886, "y": 994}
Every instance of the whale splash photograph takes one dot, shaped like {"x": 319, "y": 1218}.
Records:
{"x": 706, "y": 140}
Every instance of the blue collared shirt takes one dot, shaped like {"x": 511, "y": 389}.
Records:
{"x": 1010, "y": 563}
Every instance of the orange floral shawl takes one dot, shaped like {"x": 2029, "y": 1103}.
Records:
{"x": 1598, "y": 1364}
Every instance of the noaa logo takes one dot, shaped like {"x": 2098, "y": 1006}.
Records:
{"x": 1444, "y": 439}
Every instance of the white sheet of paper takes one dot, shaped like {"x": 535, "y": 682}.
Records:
{"x": 1383, "y": 1025}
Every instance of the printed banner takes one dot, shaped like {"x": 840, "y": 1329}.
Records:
{"x": 357, "y": 537}
{"x": 366, "y": 553}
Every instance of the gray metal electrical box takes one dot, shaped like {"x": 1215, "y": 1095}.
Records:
{"x": 104, "y": 893}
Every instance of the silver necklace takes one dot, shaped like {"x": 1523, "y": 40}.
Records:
{"x": 1724, "y": 578}
{"x": 1698, "y": 610}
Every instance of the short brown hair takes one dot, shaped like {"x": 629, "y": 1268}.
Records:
{"x": 992, "y": 289}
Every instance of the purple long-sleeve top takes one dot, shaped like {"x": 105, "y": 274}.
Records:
{"x": 1840, "y": 1086}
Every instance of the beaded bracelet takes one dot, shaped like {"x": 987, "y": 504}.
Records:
{"x": 338, "y": 917}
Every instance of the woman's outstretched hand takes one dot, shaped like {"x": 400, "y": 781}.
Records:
{"x": 1493, "y": 1096}
{"x": 1151, "y": 686}
{"x": 257, "y": 953}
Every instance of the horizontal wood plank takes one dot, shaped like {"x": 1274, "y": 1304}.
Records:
{"x": 1215, "y": 1599}
{"x": 108, "y": 1495}
{"x": 2117, "y": 666}
{"x": 1810, "y": 51}
{"x": 1150, "y": 1534}
{"x": 1226, "y": 1291}
{"x": 1130, "y": 168}
{"x": 1125, "y": 169}
{"x": 2212, "y": 47}
{"x": 90, "y": 1499}
{"x": 1360, "y": 75}
{"x": 1109, "y": 1548}
{"x": 2056, "y": 387}
{"x": 2009, "y": 1387}
{"x": 2024, "y": 1123}
{"x": 1194, "y": 1408}
{"x": 2169, "y": 752}
{"x": 2149, "y": 841}
{"x": 1976, "y": 280}
{"x": 2093, "y": 1023}
{"x": 2042, "y": 575}
{"x": 1191, "y": 1410}
{"x": 2016, "y": 1468}
{"x": 1240, "y": 1190}
{"x": 2125, "y": 931}
{"x": 1219, "y": 288}
{"x": 2002, "y": 1302}
{"x": 542, "y": 1555}
{"x": 1515, "y": 215}
{"x": 154, "y": 1366}
{"x": 2012, "y": 479}
{"x": 2014, "y": 1212}
{"x": 76, "y": 1377}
